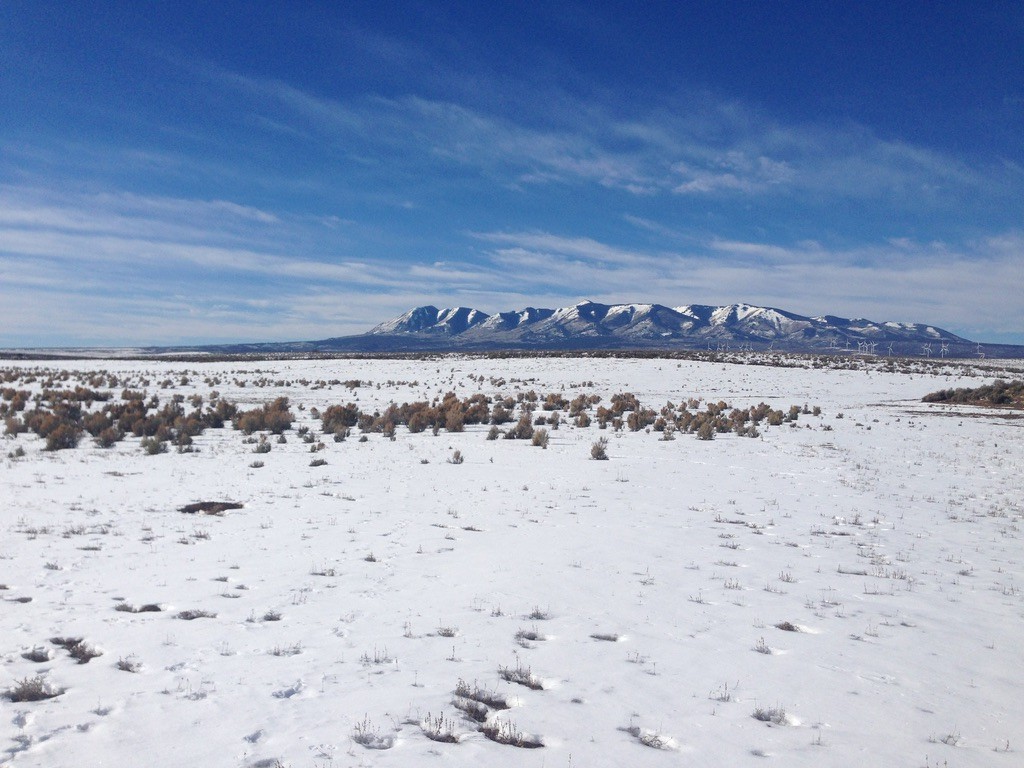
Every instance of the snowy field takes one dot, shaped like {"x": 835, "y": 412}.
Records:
{"x": 846, "y": 589}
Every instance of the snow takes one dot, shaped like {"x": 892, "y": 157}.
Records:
{"x": 743, "y": 311}
{"x": 724, "y": 315}
{"x": 415, "y": 319}
{"x": 469, "y": 317}
{"x": 652, "y": 583}
{"x": 629, "y": 309}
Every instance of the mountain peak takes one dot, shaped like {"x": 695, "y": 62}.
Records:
{"x": 449, "y": 321}
{"x": 416, "y": 319}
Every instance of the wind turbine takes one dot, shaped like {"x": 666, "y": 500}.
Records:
{"x": 889, "y": 351}
{"x": 927, "y": 350}
{"x": 979, "y": 353}
{"x": 944, "y": 349}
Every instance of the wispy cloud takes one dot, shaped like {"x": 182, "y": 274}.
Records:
{"x": 582, "y": 249}
{"x": 696, "y": 145}
{"x": 70, "y": 263}
{"x": 733, "y": 172}
{"x": 126, "y": 213}
{"x": 447, "y": 132}
{"x": 72, "y": 269}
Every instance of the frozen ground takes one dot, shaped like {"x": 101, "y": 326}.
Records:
{"x": 641, "y": 594}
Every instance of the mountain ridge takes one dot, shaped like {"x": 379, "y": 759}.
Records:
{"x": 645, "y": 324}
{"x": 591, "y": 327}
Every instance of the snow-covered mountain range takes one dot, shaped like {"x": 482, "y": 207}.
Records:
{"x": 589, "y": 325}
{"x": 592, "y": 324}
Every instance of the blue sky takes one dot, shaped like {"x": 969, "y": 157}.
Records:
{"x": 192, "y": 172}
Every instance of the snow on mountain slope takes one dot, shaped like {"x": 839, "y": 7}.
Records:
{"x": 414, "y": 320}
{"x": 429, "y": 319}
{"x": 459, "y": 319}
{"x": 643, "y": 322}
{"x": 508, "y": 321}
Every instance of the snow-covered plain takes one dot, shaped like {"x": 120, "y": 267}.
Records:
{"x": 642, "y": 593}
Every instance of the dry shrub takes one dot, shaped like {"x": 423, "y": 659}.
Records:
{"x": 36, "y": 688}
{"x": 272, "y": 417}
{"x": 64, "y": 435}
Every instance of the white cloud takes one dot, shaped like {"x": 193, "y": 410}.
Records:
{"x": 690, "y": 144}
{"x": 584, "y": 249}
{"x": 733, "y": 171}
{"x": 906, "y": 281}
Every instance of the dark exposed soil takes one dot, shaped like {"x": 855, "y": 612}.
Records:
{"x": 210, "y": 507}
